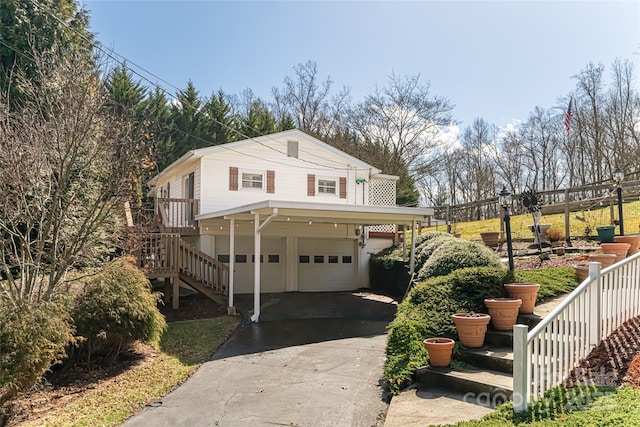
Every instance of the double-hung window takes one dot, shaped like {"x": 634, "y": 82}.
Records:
{"x": 326, "y": 186}
{"x": 252, "y": 180}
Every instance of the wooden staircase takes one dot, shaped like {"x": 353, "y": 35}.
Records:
{"x": 166, "y": 255}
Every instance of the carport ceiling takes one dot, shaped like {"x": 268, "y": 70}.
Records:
{"x": 322, "y": 213}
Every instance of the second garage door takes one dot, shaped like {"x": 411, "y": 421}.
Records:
{"x": 326, "y": 265}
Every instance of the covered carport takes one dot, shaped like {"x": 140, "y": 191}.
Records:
{"x": 286, "y": 218}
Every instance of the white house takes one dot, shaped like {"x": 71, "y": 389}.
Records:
{"x": 286, "y": 212}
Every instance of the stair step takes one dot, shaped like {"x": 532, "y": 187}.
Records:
{"x": 530, "y": 320}
{"x": 500, "y": 339}
{"x": 477, "y": 385}
{"x": 423, "y": 405}
{"x": 494, "y": 358}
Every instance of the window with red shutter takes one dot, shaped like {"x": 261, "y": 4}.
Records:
{"x": 343, "y": 188}
{"x": 271, "y": 181}
{"x": 233, "y": 179}
{"x": 311, "y": 185}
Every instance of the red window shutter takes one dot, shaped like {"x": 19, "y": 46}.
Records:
{"x": 311, "y": 185}
{"x": 271, "y": 181}
{"x": 343, "y": 188}
{"x": 233, "y": 179}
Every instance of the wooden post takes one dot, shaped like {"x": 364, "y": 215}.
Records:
{"x": 167, "y": 290}
{"x": 175, "y": 300}
{"x": 448, "y": 219}
{"x": 567, "y": 218}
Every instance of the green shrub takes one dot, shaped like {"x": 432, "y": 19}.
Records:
{"x": 429, "y": 247}
{"x": 116, "y": 309}
{"x": 426, "y": 312}
{"x": 33, "y": 337}
{"x": 458, "y": 254}
{"x": 552, "y": 281}
{"x": 422, "y": 239}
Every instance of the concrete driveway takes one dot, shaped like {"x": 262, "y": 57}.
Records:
{"x": 315, "y": 359}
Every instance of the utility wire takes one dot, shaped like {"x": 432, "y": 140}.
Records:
{"x": 111, "y": 54}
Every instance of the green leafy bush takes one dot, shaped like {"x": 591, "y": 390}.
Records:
{"x": 458, "y": 254}
{"x": 33, "y": 337}
{"x": 116, "y": 309}
{"x": 426, "y": 312}
{"x": 552, "y": 281}
{"x": 430, "y": 246}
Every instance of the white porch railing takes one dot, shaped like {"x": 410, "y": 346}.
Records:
{"x": 544, "y": 357}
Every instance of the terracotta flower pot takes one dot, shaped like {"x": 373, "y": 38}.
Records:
{"x": 503, "y": 311}
{"x": 605, "y": 260}
{"x": 457, "y": 235}
{"x": 471, "y": 328}
{"x": 634, "y": 241}
{"x": 582, "y": 271}
{"x": 490, "y": 238}
{"x": 619, "y": 249}
{"x": 439, "y": 350}
{"x": 527, "y": 292}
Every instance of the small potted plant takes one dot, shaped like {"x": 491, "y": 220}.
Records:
{"x": 503, "y": 311}
{"x": 490, "y": 238}
{"x": 471, "y": 328}
{"x": 440, "y": 350}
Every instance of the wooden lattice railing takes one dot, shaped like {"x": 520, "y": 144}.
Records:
{"x": 167, "y": 255}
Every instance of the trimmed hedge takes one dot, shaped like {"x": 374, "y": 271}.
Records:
{"x": 430, "y": 246}
{"x": 116, "y": 309}
{"x": 33, "y": 337}
{"x": 456, "y": 254}
{"x": 426, "y": 312}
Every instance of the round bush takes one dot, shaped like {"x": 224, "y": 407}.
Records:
{"x": 33, "y": 337}
{"x": 458, "y": 254}
{"x": 116, "y": 309}
{"x": 430, "y": 247}
{"x": 422, "y": 239}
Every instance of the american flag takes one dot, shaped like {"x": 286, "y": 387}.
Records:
{"x": 567, "y": 117}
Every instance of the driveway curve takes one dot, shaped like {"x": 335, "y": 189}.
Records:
{"x": 313, "y": 360}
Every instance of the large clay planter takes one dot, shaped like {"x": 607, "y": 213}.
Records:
{"x": 619, "y": 249}
{"x": 634, "y": 241}
{"x": 527, "y": 292}
{"x": 439, "y": 350}
{"x": 490, "y": 238}
{"x": 582, "y": 272}
{"x": 605, "y": 260}
{"x": 503, "y": 311}
{"x": 471, "y": 328}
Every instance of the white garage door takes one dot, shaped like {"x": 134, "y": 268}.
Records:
{"x": 326, "y": 265}
{"x": 272, "y": 263}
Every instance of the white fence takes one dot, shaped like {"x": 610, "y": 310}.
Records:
{"x": 544, "y": 357}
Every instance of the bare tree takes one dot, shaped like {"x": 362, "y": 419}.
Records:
{"x": 65, "y": 169}
{"x": 403, "y": 120}
{"x": 309, "y": 101}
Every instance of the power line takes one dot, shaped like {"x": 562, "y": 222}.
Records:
{"x": 111, "y": 54}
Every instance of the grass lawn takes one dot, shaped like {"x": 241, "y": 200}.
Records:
{"x": 184, "y": 346}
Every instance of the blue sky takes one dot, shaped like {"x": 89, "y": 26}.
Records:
{"x": 492, "y": 59}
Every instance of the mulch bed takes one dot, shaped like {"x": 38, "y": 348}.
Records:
{"x": 609, "y": 363}
{"x": 192, "y": 307}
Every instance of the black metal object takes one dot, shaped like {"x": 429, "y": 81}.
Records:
{"x": 619, "y": 189}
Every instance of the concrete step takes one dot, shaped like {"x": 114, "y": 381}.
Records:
{"x": 423, "y": 405}
{"x": 498, "y": 339}
{"x": 476, "y": 385}
{"x": 494, "y": 358}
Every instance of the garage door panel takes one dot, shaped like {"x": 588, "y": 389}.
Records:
{"x": 271, "y": 268}
{"x": 326, "y": 265}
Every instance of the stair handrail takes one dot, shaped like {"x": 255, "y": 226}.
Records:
{"x": 544, "y": 357}
{"x": 203, "y": 267}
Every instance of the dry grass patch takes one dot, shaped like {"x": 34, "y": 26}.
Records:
{"x": 152, "y": 373}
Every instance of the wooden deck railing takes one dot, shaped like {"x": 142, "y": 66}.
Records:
{"x": 178, "y": 215}
{"x": 544, "y": 357}
{"x": 167, "y": 255}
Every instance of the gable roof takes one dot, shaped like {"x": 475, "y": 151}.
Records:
{"x": 292, "y": 134}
